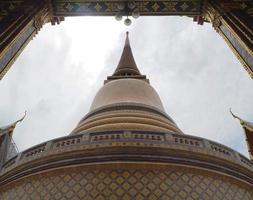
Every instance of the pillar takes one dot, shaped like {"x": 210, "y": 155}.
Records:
{"x": 235, "y": 26}
{"x": 19, "y": 27}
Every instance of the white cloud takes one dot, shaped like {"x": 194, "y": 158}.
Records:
{"x": 195, "y": 73}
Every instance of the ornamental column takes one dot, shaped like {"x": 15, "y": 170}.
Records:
{"x": 235, "y": 26}
{"x": 19, "y": 27}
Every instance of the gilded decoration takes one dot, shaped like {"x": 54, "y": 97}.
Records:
{"x": 144, "y": 7}
{"x": 92, "y": 7}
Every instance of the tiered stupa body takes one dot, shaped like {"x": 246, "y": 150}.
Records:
{"x": 125, "y": 148}
{"x": 127, "y": 102}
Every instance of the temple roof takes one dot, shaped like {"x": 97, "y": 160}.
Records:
{"x": 245, "y": 124}
{"x": 9, "y": 128}
{"x": 248, "y": 129}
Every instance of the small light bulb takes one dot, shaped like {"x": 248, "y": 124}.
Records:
{"x": 135, "y": 14}
{"x": 127, "y": 22}
{"x": 131, "y": 5}
{"x": 121, "y": 6}
{"x": 118, "y": 17}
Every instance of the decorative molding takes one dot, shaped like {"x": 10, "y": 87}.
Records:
{"x": 147, "y": 7}
{"x": 110, "y": 8}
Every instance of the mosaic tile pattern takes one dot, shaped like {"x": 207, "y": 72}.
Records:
{"x": 146, "y": 7}
{"x": 125, "y": 185}
{"x": 110, "y": 7}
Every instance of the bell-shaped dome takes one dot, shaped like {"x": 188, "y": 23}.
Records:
{"x": 127, "y": 91}
{"x": 126, "y": 102}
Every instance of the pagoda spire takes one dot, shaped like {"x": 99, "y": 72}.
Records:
{"x": 127, "y": 67}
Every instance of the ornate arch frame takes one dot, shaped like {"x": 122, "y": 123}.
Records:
{"x": 21, "y": 20}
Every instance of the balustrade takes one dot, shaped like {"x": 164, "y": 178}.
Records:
{"x": 134, "y": 136}
{"x": 63, "y": 142}
{"x": 34, "y": 150}
{"x": 187, "y": 141}
{"x": 221, "y": 149}
{"x": 246, "y": 161}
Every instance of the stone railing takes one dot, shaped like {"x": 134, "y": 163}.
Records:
{"x": 246, "y": 161}
{"x": 34, "y": 151}
{"x": 219, "y": 148}
{"x": 67, "y": 141}
{"x": 137, "y": 138}
{"x": 189, "y": 141}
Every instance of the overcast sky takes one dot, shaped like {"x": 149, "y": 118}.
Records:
{"x": 195, "y": 73}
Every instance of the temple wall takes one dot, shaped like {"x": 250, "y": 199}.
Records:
{"x": 127, "y": 181}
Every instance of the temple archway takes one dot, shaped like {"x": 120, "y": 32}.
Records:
{"x": 21, "y": 20}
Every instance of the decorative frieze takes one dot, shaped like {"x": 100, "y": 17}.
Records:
{"x": 110, "y": 8}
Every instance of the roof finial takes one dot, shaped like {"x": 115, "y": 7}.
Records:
{"x": 234, "y": 114}
{"x": 10, "y": 128}
{"x": 127, "y": 42}
{"x": 21, "y": 119}
{"x": 244, "y": 123}
{"x": 236, "y": 117}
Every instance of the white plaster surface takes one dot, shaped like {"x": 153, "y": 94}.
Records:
{"x": 127, "y": 91}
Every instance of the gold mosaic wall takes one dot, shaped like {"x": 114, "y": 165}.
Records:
{"x": 126, "y": 184}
